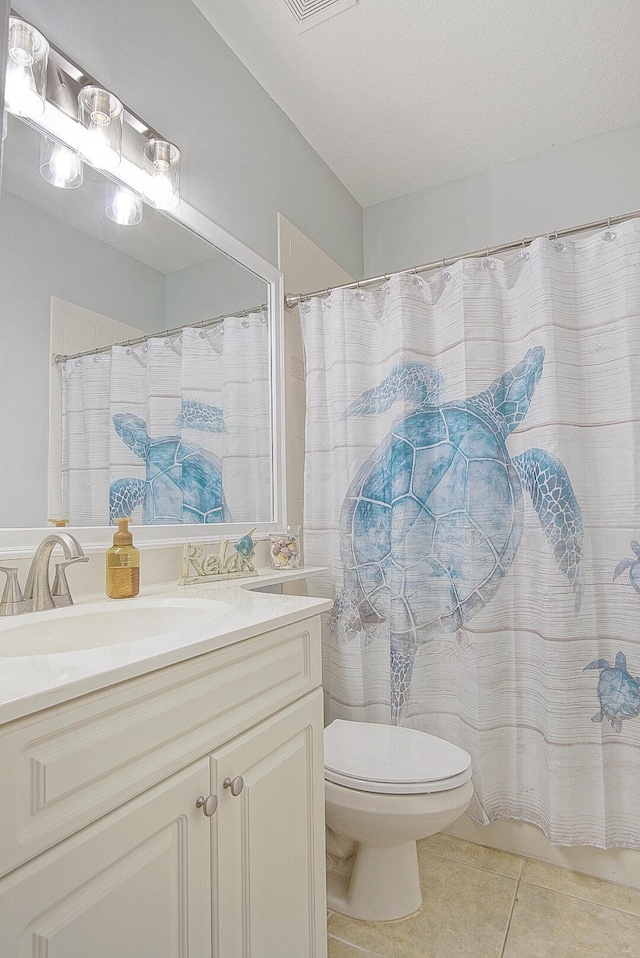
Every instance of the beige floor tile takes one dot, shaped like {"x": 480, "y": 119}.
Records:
{"x": 465, "y": 915}
{"x": 582, "y": 886}
{"x": 469, "y": 853}
{"x": 546, "y": 924}
{"x": 339, "y": 949}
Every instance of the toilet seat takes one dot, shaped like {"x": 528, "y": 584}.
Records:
{"x": 390, "y": 759}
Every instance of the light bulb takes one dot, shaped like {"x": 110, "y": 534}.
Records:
{"x": 100, "y": 113}
{"x": 123, "y": 205}
{"x": 60, "y": 166}
{"x": 162, "y": 166}
{"x": 20, "y": 91}
{"x": 26, "y": 76}
{"x": 159, "y": 192}
{"x": 97, "y": 152}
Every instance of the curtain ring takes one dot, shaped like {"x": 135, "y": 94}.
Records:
{"x": 444, "y": 263}
{"x": 608, "y": 222}
{"x": 415, "y": 270}
{"x": 386, "y": 277}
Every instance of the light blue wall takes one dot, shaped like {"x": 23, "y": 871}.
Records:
{"x": 567, "y": 186}
{"x": 41, "y": 257}
{"x": 210, "y": 289}
{"x": 243, "y": 159}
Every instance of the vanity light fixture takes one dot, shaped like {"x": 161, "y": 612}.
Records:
{"x": 161, "y": 161}
{"x": 60, "y": 166}
{"x": 101, "y": 117}
{"x": 123, "y": 206}
{"x": 93, "y": 134}
{"x": 26, "y": 76}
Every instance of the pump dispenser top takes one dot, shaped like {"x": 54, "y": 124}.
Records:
{"x": 123, "y": 536}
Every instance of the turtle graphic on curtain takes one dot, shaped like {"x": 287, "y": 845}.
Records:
{"x": 433, "y": 519}
{"x": 183, "y": 482}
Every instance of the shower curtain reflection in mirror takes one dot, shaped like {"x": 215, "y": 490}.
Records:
{"x": 172, "y": 430}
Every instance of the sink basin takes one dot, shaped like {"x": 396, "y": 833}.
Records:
{"x": 103, "y": 624}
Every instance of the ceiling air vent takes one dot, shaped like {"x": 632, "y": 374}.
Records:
{"x": 309, "y": 13}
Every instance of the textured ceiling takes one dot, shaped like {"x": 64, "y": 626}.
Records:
{"x": 400, "y": 95}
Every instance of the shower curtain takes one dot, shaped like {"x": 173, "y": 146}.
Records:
{"x": 176, "y": 429}
{"x": 472, "y": 486}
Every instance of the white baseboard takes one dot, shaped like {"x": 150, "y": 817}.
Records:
{"x": 620, "y": 865}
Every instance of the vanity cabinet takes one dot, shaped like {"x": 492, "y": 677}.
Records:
{"x": 137, "y": 883}
{"x": 154, "y": 874}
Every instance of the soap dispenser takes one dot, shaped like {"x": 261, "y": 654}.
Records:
{"x": 123, "y": 564}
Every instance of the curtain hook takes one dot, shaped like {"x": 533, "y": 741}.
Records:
{"x": 444, "y": 263}
{"x": 608, "y": 222}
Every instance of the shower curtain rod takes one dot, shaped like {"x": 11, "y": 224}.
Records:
{"x": 59, "y": 358}
{"x": 293, "y": 299}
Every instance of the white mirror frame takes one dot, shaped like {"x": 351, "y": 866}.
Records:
{"x": 19, "y": 543}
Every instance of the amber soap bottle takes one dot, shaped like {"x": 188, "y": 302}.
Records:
{"x": 123, "y": 564}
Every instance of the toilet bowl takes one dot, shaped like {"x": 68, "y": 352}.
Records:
{"x": 385, "y": 788}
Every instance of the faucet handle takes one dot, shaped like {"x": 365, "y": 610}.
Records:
{"x": 12, "y": 595}
{"x": 60, "y": 590}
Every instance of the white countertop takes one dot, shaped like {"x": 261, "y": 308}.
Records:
{"x": 33, "y": 682}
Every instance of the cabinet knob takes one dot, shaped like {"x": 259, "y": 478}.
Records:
{"x": 208, "y": 804}
{"x": 235, "y": 785}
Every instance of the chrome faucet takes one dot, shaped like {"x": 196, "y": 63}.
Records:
{"x": 38, "y": 595}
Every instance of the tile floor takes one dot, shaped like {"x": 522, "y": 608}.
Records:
{"x": 482, "y": 903}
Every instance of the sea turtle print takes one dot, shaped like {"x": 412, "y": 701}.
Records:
{"x": 632, "y": 564}
{"x": 433, "y": 518}
{"x": 183, "y": 482}
{"x": 618, "y": 692}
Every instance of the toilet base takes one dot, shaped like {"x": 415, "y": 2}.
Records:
{"x": 384, "y": 884}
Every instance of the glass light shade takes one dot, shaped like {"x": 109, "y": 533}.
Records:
{"x": 60, "y": 166}
{"x": 162, "y": 166}
{"x": 101, "y": 115}
{"x": 123, "y": 205}
{"x": 25, "y": 86}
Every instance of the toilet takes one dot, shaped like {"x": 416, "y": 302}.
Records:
{"x": 386, "y": 787}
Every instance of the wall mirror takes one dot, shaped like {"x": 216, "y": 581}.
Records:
{"x": 74, "y": 282}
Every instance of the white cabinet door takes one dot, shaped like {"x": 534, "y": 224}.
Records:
{"x": 268, "y": 840}
{"x": 137, "y": 884}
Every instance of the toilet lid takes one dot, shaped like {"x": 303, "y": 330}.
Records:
{"x": 388, "y": 758}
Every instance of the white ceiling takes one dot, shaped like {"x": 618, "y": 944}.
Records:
{"x": 400, "y": 95}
